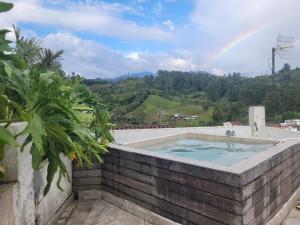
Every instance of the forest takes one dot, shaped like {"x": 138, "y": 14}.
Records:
{"x": 214, "y": 99}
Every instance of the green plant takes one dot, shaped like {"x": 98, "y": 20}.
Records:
{"x": 63, "y": 117}
{"x": 5, "y": 136}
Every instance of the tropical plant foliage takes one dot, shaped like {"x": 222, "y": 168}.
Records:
{"x": 63, "y": 117}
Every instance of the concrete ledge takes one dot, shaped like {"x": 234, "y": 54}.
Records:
{"x": 136, "y": 210}
{"x": 285, "y": 209}
{"x": 60, "y": 211}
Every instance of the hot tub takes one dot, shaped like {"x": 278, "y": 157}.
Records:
{"x": 210, "y": 148}
{"x": 213, "y": 180}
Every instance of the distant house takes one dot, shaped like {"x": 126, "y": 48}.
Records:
{"x": 291, "y": 125}
{"x": 179, "y": 116}
{"x": 232, "y": 123}
{"x": 193, "y": 117}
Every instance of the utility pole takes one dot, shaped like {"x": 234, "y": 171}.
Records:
{"x": 273, "y": 82}
{"x": 283, "y": 45}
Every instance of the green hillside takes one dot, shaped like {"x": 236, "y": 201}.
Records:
{"x": 215, "y": 99}
{"x": 154, "y": 105}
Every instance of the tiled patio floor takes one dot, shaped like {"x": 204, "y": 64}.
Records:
{"x": 293, "y": 218}
{"x": 100, "y": 212}
{"x": 97, "y": 212}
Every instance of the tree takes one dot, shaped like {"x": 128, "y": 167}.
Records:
{"x": 27, "y": 48}
{"x": 50, "y": 60}
{"x": 31, "y": 50}
{"x": 286, "y": 68}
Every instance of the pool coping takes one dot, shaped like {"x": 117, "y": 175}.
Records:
{"x": 238, "y": 168}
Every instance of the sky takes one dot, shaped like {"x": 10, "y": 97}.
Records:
{"x": 107, "y": 39}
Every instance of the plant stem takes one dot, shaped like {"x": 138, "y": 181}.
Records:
{"x": 11, "y": 120}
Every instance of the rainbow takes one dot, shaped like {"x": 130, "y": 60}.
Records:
{"x": 237, "y": 40}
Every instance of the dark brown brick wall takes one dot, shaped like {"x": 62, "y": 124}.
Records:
{"x": 184, "y": 193}
{"x": 196, "y": 195}
{"x": 264, "y": 195}
{"x": 86, "y": 177}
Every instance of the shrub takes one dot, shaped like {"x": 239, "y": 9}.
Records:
{"x": 63, "y": 117}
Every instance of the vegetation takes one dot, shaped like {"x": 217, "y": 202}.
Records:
{"x": 63, "y": 117}
{"x": 159, "y": 109}
{"x": 226, "y": 97}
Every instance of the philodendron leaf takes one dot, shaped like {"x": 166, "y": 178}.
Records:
{"x": 36, "y": 157}
{"x": 82, "y": 108}
{"x": 8, "y": 69}
{"x": 4, "y": 44}
{"x": 36, "y": 130}
{"x": 51, "y": 170}
{"x": 24, "y": 115}
{"x": 2, "y": 171}
{"x": 7, "y": 138}
{"x": 4, "y": 6}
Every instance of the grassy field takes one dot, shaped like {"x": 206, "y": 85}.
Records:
{"x": 148, "y": 112}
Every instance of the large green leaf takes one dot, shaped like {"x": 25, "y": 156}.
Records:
{"x": 36, "y": 130}
{"x": 6, "y": 137}
{"x": 2, "y": 171}
{"x": 36, "y": 157}
{"x": 4, "y": 44}
{"x": 51, "y": 170}
{"x": 8, "y": 68}
{"x": 4, "y": 7}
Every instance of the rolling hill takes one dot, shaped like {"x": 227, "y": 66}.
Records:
{"x": 149, "y": 111}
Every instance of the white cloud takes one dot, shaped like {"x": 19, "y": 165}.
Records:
{"x": 93, "y": 59}
{"x": 133, "y": 56}
{"x": 169, "y": 24}
{"x": 242, "y": 33}
{"x": 94, "y": 17}
{"x": 217, "y": 72}
{"x": 158, "y": 8}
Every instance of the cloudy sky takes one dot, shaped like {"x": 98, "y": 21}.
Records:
{"x": 112, "y": 38}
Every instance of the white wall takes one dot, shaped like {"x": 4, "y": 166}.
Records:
{"x": 19, "y": 174}
{"x": 8, "y": 199}
{"x": 277, "y": 133}
{"x": 128, "y": 136}
{"x": 257, "y": 115}
{"x": 47, "y": 206}
{"x": 21, "y": 195}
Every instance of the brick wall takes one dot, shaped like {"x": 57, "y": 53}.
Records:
{"x": 190, "y": 194}
{"x": 86, "y": 178}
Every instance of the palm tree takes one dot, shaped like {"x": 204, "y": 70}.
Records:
{"x": 31, "y": 50}
{"x": 28, "y": 49}
{"x": 50, "y": 60}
